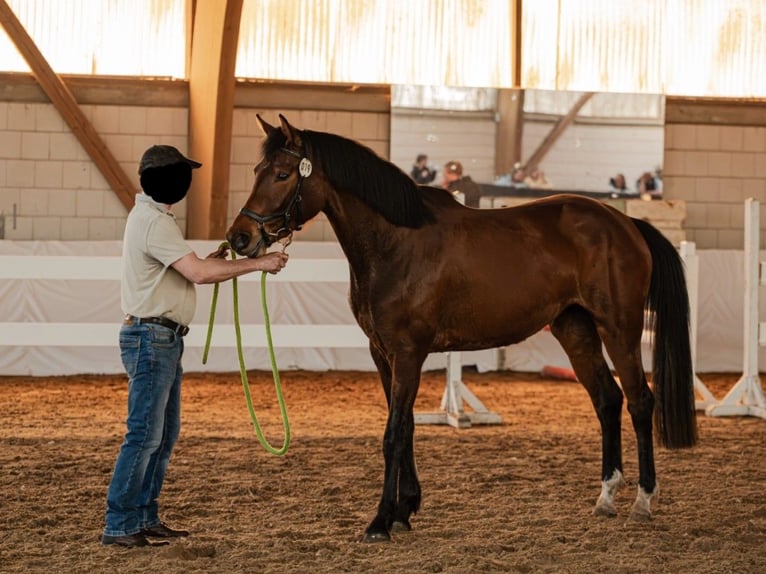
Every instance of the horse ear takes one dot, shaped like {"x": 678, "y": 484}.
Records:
{"x": 266, "y": 127}
{"x": 291, "y": 133}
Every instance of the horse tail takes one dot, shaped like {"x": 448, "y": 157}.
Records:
{"x": 675, "y": 417}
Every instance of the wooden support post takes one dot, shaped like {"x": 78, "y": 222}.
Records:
{"x": 211, "y": 103}
{"x": 542, "y": 150}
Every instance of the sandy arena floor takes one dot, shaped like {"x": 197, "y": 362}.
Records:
{"x": 511, "y": 498}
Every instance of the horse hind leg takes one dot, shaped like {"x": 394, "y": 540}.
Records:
{"x": 575, "y": 329}
{"x": 624, "y": 347}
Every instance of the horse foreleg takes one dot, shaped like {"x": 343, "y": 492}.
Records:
{"x": 401, "y": 489}
{"x": 409, "y": 486}
{"x": 380, "y": 528}
{"x": 384, "y": 370}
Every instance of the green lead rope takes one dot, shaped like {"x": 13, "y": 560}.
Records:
{"x": 243, "y": 370}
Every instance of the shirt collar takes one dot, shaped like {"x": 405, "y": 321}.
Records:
{"x": 149, "y": 202}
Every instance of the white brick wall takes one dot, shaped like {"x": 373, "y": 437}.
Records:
{"x": 714, "y": 168}
{"x": 56, "y": 192}
{"x": 50, "y": 181}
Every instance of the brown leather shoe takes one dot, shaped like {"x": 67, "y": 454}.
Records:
{"x": 162, "y": 530}
{"x": 128, "y": 541}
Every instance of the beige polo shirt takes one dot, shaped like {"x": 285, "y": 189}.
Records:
{"x": 152, "y": 243}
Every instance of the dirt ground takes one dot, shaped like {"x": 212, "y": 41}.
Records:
{"x": 517, "y": 497}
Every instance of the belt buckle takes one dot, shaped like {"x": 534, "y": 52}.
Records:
{"x": 182, "y": 330}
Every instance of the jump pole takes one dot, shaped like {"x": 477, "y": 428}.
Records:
{"x": 688, "y": 251}
{"x": 746, "y": 398}
{"x": 452, "y": 411}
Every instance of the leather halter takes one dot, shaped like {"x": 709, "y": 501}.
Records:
{"x": 286, "y": 214}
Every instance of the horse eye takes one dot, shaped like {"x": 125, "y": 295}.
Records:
{"x": 281, "y": 176}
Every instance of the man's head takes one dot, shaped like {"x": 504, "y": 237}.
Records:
{"x": 166, "y": 173}
{"x": 453, "y": 170}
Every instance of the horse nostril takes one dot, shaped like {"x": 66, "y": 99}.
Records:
{"x": 239, "y": 240}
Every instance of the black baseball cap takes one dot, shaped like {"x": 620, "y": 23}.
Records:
{"x": 162, "y": 155}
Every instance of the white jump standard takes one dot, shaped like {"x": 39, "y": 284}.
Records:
{"x": 746, "y": 398}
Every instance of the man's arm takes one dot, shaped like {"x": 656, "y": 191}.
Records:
{"x": 215, "y": 270}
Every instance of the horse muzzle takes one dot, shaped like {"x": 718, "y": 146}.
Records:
{"x": 242, "y": 243}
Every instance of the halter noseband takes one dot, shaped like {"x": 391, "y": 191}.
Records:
{"x": 304, "y": 170}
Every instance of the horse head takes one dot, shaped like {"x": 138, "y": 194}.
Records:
{"x": 279, "y": 203}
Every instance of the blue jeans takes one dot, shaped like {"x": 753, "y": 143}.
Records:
{"x": 151, "y": 355}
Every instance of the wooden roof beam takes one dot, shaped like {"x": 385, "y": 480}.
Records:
{"x": 67, "y": 106}
{"x": 556, "y": 131}
{"x": 211, "y": 103}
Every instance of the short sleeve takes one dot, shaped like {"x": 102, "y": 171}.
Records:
{"x": 165, "y": 241}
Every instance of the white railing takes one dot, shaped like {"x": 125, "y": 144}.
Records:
{"x": 51, "y": 267}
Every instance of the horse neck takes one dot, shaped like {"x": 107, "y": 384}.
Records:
{"x": 362, "y": 233}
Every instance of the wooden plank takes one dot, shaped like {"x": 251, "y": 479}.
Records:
{"x": 510, "y": 129}
{"x": 719, "y": 111}
{"x": 67, "y": 106}
{"x": 657, "y": 210}
{"x": 518, "y": 56}
{"x": 307, "y": 96}
{"x": 211, "y": 106}
{"x": 559, "y": 128}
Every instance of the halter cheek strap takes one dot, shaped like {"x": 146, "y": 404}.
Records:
{"x": 304, "y": 170}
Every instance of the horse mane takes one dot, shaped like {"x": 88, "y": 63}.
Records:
{"x": 354, "y": 168}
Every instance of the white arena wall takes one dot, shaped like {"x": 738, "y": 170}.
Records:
{"x": 297, "y": 309}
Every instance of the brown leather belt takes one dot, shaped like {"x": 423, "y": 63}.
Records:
{"x": 165, "y": 322}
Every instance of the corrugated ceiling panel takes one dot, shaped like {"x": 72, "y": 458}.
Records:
{"x": 429, "y": 42}
{"x": 593, "y": 45}
{"x": 678, "y": 47}
{"x": 716, "y": 48}
{"x": 110, "y": 37}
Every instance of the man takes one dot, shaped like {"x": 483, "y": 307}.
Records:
{"x": 159, "y": 271}
{"x": 421, "y": 173}
{"x": 455, "y": 182}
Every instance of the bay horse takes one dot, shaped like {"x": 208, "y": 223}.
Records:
{"x": 428, "y": 274}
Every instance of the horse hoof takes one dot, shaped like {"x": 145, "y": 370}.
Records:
{"x": 373, "y": 537}
{"x": 607, "y": 510}
{"x": 640, "y": 514}
{"x": 642, "y": 507}
{"x": 401, "y": 526}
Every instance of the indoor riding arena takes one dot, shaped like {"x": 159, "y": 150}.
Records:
{"x": 455, "y": 393}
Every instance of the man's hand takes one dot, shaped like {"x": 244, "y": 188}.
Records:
{"x": 273, "y": 262}
{"x": 221, "y": 253}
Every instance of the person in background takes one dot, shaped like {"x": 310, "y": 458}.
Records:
{"x": 456, "y": 182}
{"x": 421, "y": 173}
{"x": 519, "y": 176}
{"x": 537, "y": 180}
{"x": 647, "y": 187}
{"x": 159, "y": 271}
{"x": 618, "y": 185}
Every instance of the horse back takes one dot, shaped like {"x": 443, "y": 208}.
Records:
{"x": 478, "y": 278}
